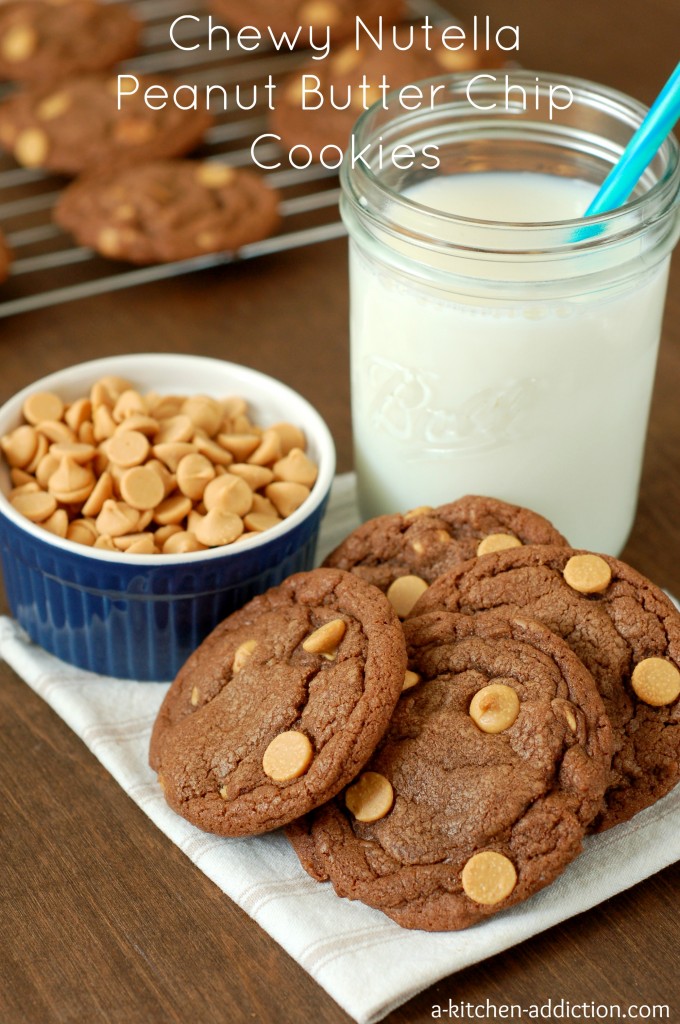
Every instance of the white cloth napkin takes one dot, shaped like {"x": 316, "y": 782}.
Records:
{"x": 368, "y": 964}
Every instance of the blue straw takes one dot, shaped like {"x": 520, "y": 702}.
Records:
{"x": 641, "y": 149}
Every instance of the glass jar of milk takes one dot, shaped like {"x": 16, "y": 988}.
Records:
{"x": 500, "y": 343}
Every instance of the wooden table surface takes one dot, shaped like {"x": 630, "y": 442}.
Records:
{"x": 102, "y": 918}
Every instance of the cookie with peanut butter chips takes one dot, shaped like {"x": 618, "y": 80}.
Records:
{"x": 494, "y": 763}
{"x": 622, "y": 627}
{"x": 402, "y": 554}
{"x": 167, "y": 210}
{"x": 75, "y": 125}
{"x": 46, "y": 40}
{"x": 316, "y": 16}
{"x": 281, "y": 706}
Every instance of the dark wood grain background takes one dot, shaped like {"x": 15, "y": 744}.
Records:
{"x": 102, "y": 919}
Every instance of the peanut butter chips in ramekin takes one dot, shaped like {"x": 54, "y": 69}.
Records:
{"x": 151, "y": 474}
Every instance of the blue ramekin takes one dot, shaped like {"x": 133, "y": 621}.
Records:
{"x": 140, "y": 616}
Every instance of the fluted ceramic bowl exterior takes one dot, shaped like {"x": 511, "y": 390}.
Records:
{"x": 140, "y": 616}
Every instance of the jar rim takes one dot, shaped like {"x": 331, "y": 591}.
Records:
{"x": 378, "y": 202}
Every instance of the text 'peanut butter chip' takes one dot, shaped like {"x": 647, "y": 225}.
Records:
{"x": 497, "y": 542}
{"x": 656, "y": 681}
{"x": 494, "y": 708}
{"x": 588, "y": 574}
{"x": 288, "y": 756}
{"x": 488, "y": 877}
{"x": 326, "y": 638}
{"x": 404, "y": 592}
{"x": 370, "y": 797}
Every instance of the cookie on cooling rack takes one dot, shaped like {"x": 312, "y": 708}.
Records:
{"x": 42, "y": 41}
{"x": 75, "y": 125}
{"x": 168, "y": 210}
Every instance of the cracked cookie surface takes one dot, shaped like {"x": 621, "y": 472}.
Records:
{"x": 428, "y": 542}
{"x": 498, "y": 758}
{"x": 621, "y": 626}
{"x": 320, "y": 661}
{"x": 168, "y": 210}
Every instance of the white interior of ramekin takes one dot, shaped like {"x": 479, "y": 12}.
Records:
{"x": 269, "y": 401}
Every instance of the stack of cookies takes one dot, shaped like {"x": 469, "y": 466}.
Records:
{"x": 438, "y": 715}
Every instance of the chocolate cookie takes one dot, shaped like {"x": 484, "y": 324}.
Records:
{"x": 287, "y": 15}
{"x": 495, "y": 761}
{"x": 281, "y": 705}
{"x": 622, "y": 627}
{"x": 42, "y": 41}
{"x": 76, "y": 125}
{"x": 168, "y": 210}
{"x": 342, "y": 75}
{"x": 425, "y": 543}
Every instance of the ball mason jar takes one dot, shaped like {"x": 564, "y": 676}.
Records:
{"x": 514, "y": 360}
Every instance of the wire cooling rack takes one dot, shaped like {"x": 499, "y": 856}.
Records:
{"x": 49, "y": 269}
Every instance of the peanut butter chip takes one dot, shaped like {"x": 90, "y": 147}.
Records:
{"x": 288, "y": 756}
{"x": 194, "y": 472}
{"x": 326, "y": 638}
{"x": 54, "y": 106}
{"x": 128, "y": 449}
{"x": 415, "y": 513}
{"x": 370, "y": 797}
{"x": 286, "y": 497}
{"x": 588, "y": 574}
{"x": 141, "y": 488}
{"x": 410, "y": 679}
{"x": 404, "y": 592}
{"x": 319, "y": 12}
{"x": 228, "y": 493}
{"x": 19, "y": 43}
{"x": 31, "y": 147}
{"x": 71, "y": 478}
{"x": 570, "y": 719}
{"x": 181, "y": 543}
{"x": 116, "y": 518}
{"x": 35, "y": 505}
{"x": 656, "y": 681}
{"x": 296, "y": 467}
{"x": 488, "y": 877}
{"x": 20, "y": 445}
{"x": 218, "y": 527}
{"x": 214, "y": 175}
{"x": 497, "y": 542}
{"x": 258, "y": 523}
{"x": 494, "y": 707}
{"x": 242, "y": 654}
{"x": 456, "y": 60}
{"x": 43, "y": 405}
{"x": 346, "y": 59}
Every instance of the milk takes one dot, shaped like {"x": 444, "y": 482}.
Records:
{"x": 540, "y": 400}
